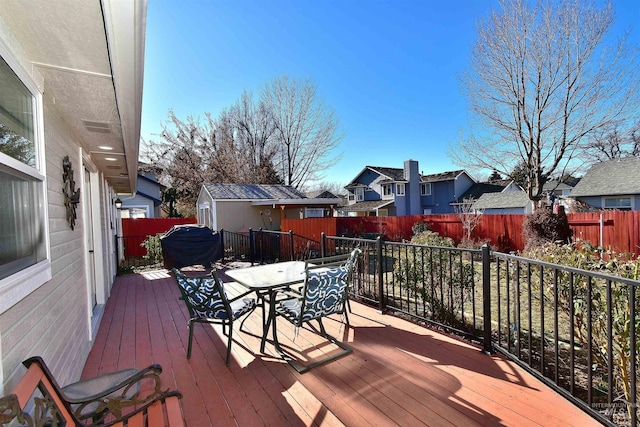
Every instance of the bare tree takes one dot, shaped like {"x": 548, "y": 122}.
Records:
{"x": 191, "y": 153}
{"x": 306, "y": 130}
{"x": 469, "y": 217}
{"x": 613, "y": 143}
{"x": 335, "y": 188}
{"x": 542, "y": 81}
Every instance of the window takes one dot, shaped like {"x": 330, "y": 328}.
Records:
{"x": 22, "y": 211}
{"x": 359, "y": 194}
{"x": 425, "y": 189}
{"x": 399, "y": 189}
{"x": 314, "y": 212}
{"x": 621, "y": 203}
{"x": 386, "y": 189}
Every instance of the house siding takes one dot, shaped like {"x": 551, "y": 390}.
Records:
{"x": 598, "y": 201}
{"x": 239, "y": 215}
{"x": 52, "y": 321}
{"x": 441, "y": 197}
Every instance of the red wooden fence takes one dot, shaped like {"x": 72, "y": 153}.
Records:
{"x": 136, "y": 230}
{"x": 617, "y": 230}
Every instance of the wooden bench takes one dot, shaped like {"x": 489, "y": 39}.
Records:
{"x": 38, "y": 400}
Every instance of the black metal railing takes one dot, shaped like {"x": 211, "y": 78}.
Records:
{"x": 576, "y": 330}
{"x": 266, "y": 246}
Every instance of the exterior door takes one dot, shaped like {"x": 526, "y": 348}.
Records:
{"x": 89, "y": 240}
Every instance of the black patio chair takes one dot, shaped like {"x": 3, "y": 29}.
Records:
{"x": 207, "y": 302}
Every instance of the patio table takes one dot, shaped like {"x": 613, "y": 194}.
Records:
{"x": 267, "y": 280}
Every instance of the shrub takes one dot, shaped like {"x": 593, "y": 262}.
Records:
{"x": 420, "y": 227}
{"x": 154, "y": 249}
{"x": 473, "y": 244}
{"x": 432, "y": 274}
{"x": 592, "y": 293}
{"x": 431, "y": 238}
{"x": 543, "y": 226}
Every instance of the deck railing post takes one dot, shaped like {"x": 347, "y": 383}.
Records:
{"x": 486, "y": 299}
{"x": 252, "y": 246}
{"x": 291, "y": 243}
{"x": 380, "y": 279}
{"x": 260, "y": 248}
{"x": 222, "y": 244}
{"x": 323, "y": 245}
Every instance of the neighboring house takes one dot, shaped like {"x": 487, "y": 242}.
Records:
{"x": 382, "y": 191}
{"x": 465, "y": 202}
{"x": 146, "y": 201}
{"x": 559, "y": 188}
{"x": 511, "y": 200}
{"x": 70, "y": 101}
{"x": 614, "y": 184}
{"x": 238, "y": 207}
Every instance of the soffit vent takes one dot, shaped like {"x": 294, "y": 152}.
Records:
{"x": 113, "y": 167}
{"x": 100, "y": 127}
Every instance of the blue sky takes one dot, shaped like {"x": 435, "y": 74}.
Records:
{"x": 389, "y": 69}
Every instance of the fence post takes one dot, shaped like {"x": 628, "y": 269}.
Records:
{"x": 291, "y": 242}
{"x": 380, "y": 280}
{"x": 486, "y": 299}
{"x": 322, "y": 245}
{"x": 260, "y": 245}
{"x": 252, "y": 246}
{"x": 222, "y": 243}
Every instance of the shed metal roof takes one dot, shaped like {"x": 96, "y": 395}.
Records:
{"x": 253, "y": 192}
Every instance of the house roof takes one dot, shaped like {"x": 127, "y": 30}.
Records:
{"x": 321, "y": 194}
{"x": 510, "y": 199}
{"x": 613, "y": 177}
{"x": 91, "y": 57}
{"x": 554, "y": 184}
{"x": 366, "y": 206}
{"x": 442, "y": 176}
{"x": 253, "y": 192}
{"x": 393, "y": 174}
{"x": 478, "y": 189}
{"x": 397, "y": 175}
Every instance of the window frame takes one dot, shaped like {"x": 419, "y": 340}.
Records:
{"x": 400, "y": 189}
{"x": 17, "y": 286}
{"x": 387, "y": 190}
{"x": 422, "y": 188}
{"x": 359, "y": 194}
{"x": 625, "y": 208}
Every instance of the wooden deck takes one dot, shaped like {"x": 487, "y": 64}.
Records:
{"x": 399, "y": 373}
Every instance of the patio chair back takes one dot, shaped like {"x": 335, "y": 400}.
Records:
{"x": 324, "y": 293}
{"x": 207, "y": 302}
{"x": 203, "y": 295}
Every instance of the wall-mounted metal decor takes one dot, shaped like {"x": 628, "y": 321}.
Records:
{"x": 71, "y": 196}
